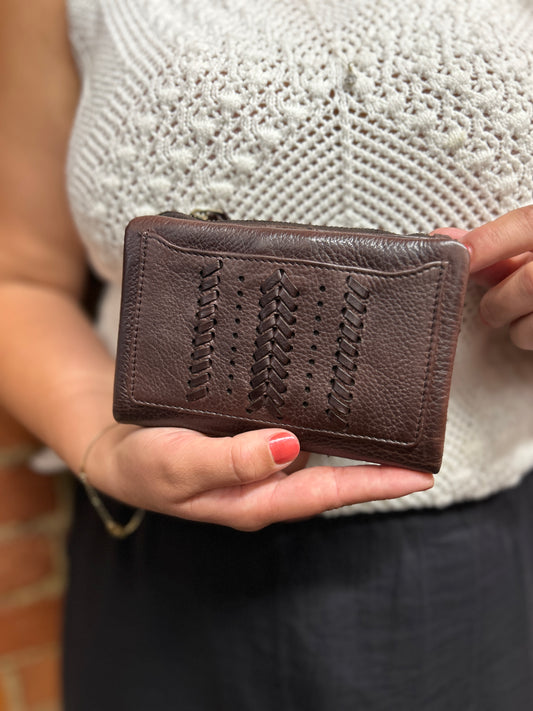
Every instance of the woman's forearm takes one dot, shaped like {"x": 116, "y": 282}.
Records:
{"x": 56, "y": 376}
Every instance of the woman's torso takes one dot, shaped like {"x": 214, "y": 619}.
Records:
{"x": 251, "y": 107}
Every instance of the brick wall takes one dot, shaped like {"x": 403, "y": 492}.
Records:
{"x": 34, "y": 516}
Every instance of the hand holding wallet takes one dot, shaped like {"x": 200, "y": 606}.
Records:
{"x": 345, "y": 337}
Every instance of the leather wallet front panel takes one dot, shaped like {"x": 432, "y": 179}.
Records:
{"x": 349, "y": 357}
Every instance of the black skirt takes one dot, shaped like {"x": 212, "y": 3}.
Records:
{"x": 416, "y": 611}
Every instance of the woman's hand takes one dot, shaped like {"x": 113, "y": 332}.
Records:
{"x": 238, "y": 481}
{"x": 502, "y": 259}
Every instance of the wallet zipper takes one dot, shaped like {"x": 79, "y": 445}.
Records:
{"x": 220, "y": 216}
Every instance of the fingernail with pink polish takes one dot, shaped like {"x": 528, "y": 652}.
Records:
{"x": 284, "y": 447}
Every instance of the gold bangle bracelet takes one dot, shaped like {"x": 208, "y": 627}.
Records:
{"x": 115, "y": 529}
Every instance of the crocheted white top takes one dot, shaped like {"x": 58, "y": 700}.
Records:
{"x": 401, "y": 116}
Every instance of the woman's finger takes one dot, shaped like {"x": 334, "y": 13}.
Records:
{"x": 305, "y": 493}
{"x": 521, "y": 332}
{"x": 185, "y": 462}
{"x": 490, "y": 276}
{"x": 510, "y": 299}
{"x": 507, "y": 236}
{"x": 495, "y": 272}
{"x": 453, "y": 232}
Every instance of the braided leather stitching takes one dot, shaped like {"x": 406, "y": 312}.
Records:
{"x": 200, "y": 367}
{"x": 340, "y": 397}
{"x": 272, "y": 345}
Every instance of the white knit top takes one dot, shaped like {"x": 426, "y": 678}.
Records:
{"x": 371, "y": 113}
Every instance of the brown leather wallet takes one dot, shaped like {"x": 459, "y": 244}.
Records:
{"x": 345, "y": 337}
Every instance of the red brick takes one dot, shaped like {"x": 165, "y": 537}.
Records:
{"x": 24, "y": 561}
{"x": 3, "y": 697}
{"x": 25, "y": 495}
{"x": 41, "y": 681}
{"x": 30, "y": 625}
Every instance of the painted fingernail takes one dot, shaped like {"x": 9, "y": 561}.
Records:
{"x": 284, "y": 447}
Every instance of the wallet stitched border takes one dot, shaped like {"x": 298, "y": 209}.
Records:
{"x": 345, "y": 337}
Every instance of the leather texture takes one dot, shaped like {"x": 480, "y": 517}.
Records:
{"x": 345, "y": 337}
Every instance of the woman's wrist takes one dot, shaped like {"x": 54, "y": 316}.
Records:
{"x": 113, "y": 527}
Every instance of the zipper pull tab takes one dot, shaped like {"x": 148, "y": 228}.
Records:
{"x": 206, "y": 215}
{"x": 209, "y": 215}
